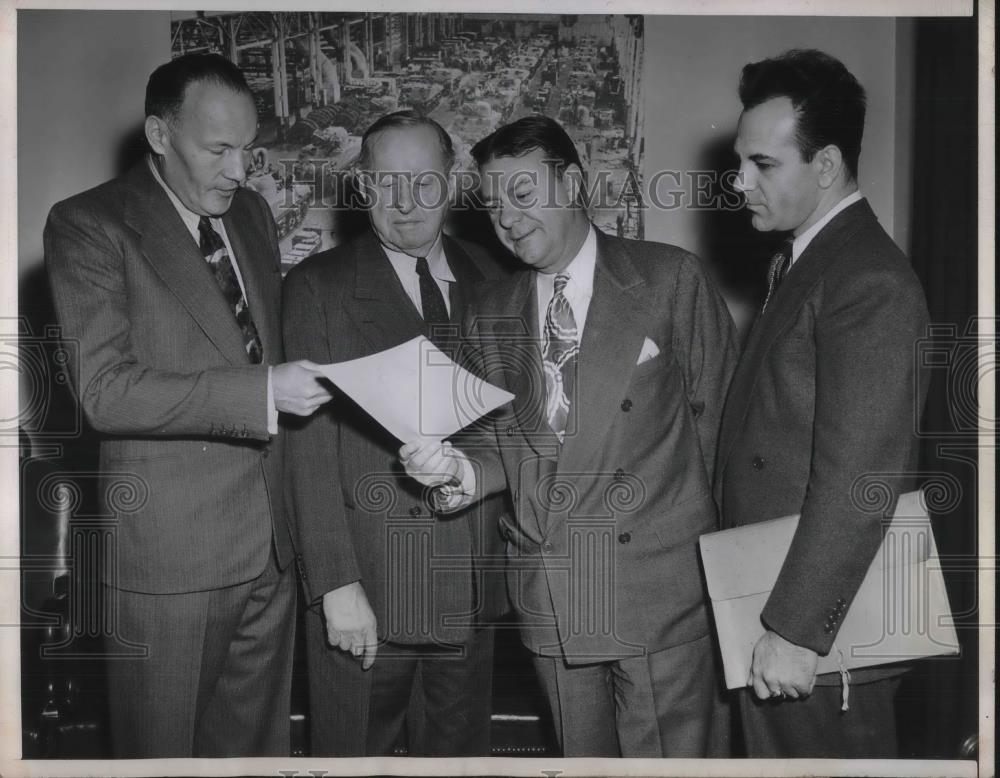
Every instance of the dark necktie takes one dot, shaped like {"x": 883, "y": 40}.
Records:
{"x": 559, "y": 357}
{"x": 431, "y": 300}
{"x": 776, "y": 270}
{"x": 214, "y": 250}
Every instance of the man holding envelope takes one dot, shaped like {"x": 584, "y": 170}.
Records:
{"x": 396, "y": 594}
{"x": 824, "y": 403}
{"x": 619, "y": 354}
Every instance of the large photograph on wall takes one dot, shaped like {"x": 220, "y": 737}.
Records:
{"x": 319, "y": 79}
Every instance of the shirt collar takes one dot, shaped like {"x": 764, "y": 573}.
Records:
{"x": 800, "y": 243}
{"x": 436, "y": 261}
{"x": 189, "y": 217}
{"x": 580, "y": 269}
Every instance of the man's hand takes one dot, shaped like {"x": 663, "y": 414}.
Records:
{"x": 431, "y": 462}
{"x": 299, "y": 387}
{"x": 350, "y": 622}
{"x": 781, "y": 668}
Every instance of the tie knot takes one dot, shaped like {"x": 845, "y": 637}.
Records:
{"x": 423, "y": 269}
{"x": 560, "y": 283}
{"x": 210, "y": 241}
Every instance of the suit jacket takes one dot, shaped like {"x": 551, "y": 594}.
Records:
{"x": 358, "y": 517}
{"x": 603, "y": 557}
{"x": 190, "y": 472}
{"x": 821, "y": 416}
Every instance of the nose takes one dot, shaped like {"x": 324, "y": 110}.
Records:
{"x": 236, "y": 166}
{"x": 402, "y": 196}
{"x": 507, "y": 215}
{"x": 743, "y": 181}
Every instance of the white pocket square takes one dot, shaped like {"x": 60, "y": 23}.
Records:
{"x": 649, "y": 350}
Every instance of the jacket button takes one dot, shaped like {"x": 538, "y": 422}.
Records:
{"x": 415, "y": 511}
{"x": 828, "y": 629}
{"x": 510, "y": 430}
{"x": 758, "y": 463}
{"x": 619, "y": 474}
{"x": 841, "y": 602}
{"x": 626, "y": 405}
{"x": 547, "y": 548}
{"x": 625, "y": 537}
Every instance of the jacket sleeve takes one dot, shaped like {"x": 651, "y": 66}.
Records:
{"x": 119, "y": 393}
{"x": 868, "y": 394}
{"x": 312, "y": 452}
{"x": 704, "y": 334}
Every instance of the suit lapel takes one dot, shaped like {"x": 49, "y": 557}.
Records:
{"x": 466, "y": 274}
{"x": 170, "y": 250}
{"x": 384, "y": 310}
{"x": 781, "y": 312}
{"x": 613, "y": 335}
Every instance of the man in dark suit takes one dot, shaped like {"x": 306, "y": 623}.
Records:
{"x": 168, "y": 281}
{"x": 381, "y": 571}
{"x": 619, "y": 354}
{"x": 823, "y": 403}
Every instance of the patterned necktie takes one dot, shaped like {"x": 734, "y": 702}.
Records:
{"x": 214, "y": 250}
{"x": 559, "y": 357}
{"x": 776, "y": 270}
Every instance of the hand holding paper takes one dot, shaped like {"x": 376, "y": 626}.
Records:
{"x": 415, "y": 391}
{"x": 430, "y": 462}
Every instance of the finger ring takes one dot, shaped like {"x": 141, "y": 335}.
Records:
{"x": 778, "y": 694}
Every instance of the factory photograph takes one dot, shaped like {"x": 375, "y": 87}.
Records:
{"x": 320, "y": 79}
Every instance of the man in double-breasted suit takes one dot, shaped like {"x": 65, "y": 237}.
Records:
{"x": 619, "y": 354}
{"x": 381, "y": 571}
{"x": 823, "y": 407}
{"x": 167, "y": 280}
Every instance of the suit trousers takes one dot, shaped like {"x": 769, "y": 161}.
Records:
{"x": 667, "y": 703}
{"x": 217, "y": 678}
{"x": 816, "y": 727}
{"x": 434, "y": 699}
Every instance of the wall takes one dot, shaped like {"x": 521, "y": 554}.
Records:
{"x": 692, "y": 68}
{"x": 81, "y": 78}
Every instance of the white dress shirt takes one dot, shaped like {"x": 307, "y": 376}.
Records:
{"x": 799, "y": 243}
{"x": 191, "y": 219}
{"x": 406, "y": 270}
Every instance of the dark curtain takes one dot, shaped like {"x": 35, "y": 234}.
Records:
{"x": 938, "y": 700}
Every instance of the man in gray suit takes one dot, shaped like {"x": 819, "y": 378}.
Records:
{"x": 400, "y": 601}
{"x": 823, "y": 403}
{"x": 618, "y": 353}
{"x": 168, "y": 280}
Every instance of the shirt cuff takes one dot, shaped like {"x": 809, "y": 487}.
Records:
{"x": 272, "y": 411}
{"x": 452, "y": 497}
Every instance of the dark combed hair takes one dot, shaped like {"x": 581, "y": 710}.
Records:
{"x": 526, "y": 135}
{"x": 401, "y": 119}
{"x": 168, "y": 83}
{"x": 829, "y": 102}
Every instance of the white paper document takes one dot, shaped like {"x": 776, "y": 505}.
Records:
{"x": 414, "y": 390}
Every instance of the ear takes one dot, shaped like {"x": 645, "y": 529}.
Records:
{"x": 829, "y": 162}
{"x": 572, "y": 178}
{"x": 157, "y": 134}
